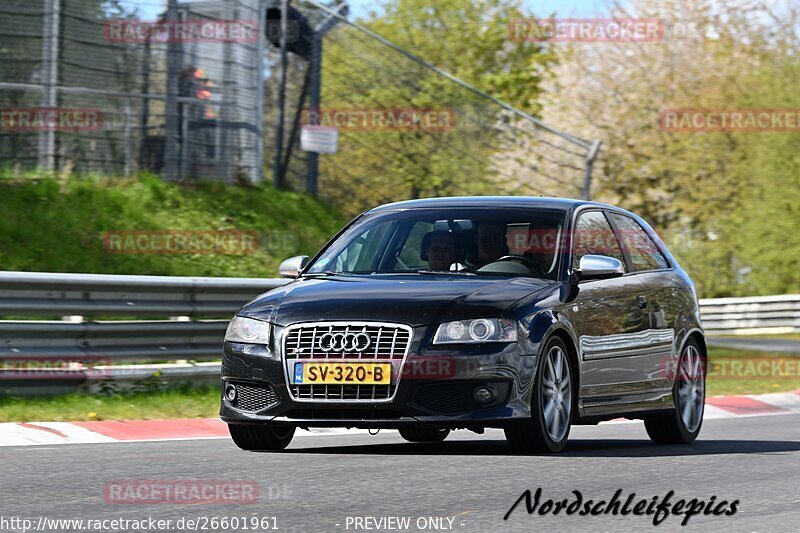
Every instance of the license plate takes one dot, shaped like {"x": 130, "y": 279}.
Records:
{"x": 343, "y": 373}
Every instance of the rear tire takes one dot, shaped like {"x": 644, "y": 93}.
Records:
{"x": 261, "y": 438}
{"x": 424, "y": 434}
{"x": 682, "y": 425}
{"x": 552, "y": 405}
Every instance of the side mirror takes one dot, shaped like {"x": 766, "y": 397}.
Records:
{"x": 292, "y": 267}
{"x": 599, "y": 267}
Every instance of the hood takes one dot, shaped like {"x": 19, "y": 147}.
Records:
{"x": 415, "y": 300}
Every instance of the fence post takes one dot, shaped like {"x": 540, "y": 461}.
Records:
{"x": 587, "y": 176}
{"x": 258, "y": 173}
{"x": 278, "y": 165}
{"x": 50, "y": 39}
{"x": 171, "y": 109}
{"x": 144, "y": 112}
{"x": 312, "y": 182}
{"x": 128, "y": 136}
{"x": 293, "y": 134}
{"x": 226, "y": 117}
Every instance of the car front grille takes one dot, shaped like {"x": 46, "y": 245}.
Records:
{"x": 343, "y": 392}
{"x": 343, "y": 414}
{"x": 387, "y": 343}
{"x": 254, "y": 397}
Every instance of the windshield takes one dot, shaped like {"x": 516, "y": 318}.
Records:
{"x": 453, "y": 241}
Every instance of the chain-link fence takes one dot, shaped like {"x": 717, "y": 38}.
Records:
{"x": 116, "y": 86}
{"x": 405, "y": 128}
{"x": 199, "y": 90}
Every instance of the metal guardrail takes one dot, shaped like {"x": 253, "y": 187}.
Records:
{"x": 192, "y": 315}
{"x": 145, "y": 341}
{"x": 112, "y": 378}
{"x": 48, "y": 294}
{"x": 758, "y": 315}
{"x": 185, "y": 320}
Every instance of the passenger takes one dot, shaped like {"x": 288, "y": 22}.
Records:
{"x": 441, "y": 251}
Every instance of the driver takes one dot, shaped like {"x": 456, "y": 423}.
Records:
{"x": 543, "y": 249}
{"x": 491, "y": 242}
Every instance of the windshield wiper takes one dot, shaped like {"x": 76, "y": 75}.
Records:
{"x": 447, "y": 272}
{"x": 327, "y": 273}
{"x": 330, "y": 273}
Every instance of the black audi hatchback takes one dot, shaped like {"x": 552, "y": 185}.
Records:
{"x": 526, "y": 314}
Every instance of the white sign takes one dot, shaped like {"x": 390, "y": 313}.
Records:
{"x": 320, "y": 139}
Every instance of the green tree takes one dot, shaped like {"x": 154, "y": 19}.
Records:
{"x": 466, "y": 38}
{"x": 711, "y": 194}
{"x": 764, "y": 232}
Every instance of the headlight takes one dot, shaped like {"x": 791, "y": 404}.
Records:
{"x": 477, "y": 331}
{"x": 248, "y": 331}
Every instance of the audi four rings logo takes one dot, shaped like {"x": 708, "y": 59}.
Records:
{"x": 344, "y": 342}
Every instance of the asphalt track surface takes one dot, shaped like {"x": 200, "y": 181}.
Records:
{"x": 320, "y": 481}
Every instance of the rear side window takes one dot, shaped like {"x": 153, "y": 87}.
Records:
{"x": 594, "y": 236}
{"x": 643, "y": 252}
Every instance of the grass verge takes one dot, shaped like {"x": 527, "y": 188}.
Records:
{"x": 745, "y": 372}
{"x": 173, "y": 403}
{"x": 781, "y": 336}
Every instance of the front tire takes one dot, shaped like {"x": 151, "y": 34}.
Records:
{"x": 261, "y": 438}
{"x": 682, "y": 425}
{"x": 424, "y": 434}
{"x": 552, "y": 405}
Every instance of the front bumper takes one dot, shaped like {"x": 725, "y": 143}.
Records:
{"x": 435, "y": 388}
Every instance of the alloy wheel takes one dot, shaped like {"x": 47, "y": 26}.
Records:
{"x": 691, "y": 388}
{"x": 556, "y": 394}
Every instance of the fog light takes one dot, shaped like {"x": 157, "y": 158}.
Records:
{"x": 231, "y": 393}
{"x": 484, "y": 395}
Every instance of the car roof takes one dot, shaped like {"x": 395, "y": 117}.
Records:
{"x": 489, "y": 202}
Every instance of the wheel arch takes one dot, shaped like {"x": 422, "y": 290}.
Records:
{"x": 697, "y": 335}
{"x": 546, "y": 324}
{"x": 562, "y": 333}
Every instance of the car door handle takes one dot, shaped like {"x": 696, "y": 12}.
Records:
{"x": 642, "y": 301}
